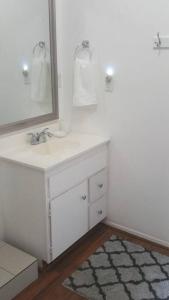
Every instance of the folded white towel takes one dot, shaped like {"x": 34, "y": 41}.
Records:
{"x": 40, "y": 78}
{"x": 84, "y": 82}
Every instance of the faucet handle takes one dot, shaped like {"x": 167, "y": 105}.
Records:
{"x": 45, "y": 130}
{"x": 49, "y": 134}
{"x": 34, "y": 140}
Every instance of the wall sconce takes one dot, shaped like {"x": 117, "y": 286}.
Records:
{"x": 109, "y": 79}
{"x": 25, "y": 72}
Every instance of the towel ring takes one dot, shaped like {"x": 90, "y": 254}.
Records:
{"x": 41, "y": 45}
{"x": 84, "y": 46}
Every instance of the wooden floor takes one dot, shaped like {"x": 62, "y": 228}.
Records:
{"x": 49, "y": 286}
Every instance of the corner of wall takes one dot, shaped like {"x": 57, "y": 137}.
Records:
{"x": 1, "y": 225}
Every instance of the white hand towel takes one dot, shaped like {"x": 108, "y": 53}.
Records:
{"x": 84, "y": 82}
{"x": 40, "y": 79}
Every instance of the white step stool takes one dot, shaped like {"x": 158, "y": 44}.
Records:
{"x": 17, "y": 270}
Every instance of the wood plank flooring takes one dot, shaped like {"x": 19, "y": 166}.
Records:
{"x": 49, "y": 285}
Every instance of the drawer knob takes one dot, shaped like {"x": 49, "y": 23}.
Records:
{"x": 100, "y": 185}
{"x": 84, "y": 197}
{"x": 100, "y": 212}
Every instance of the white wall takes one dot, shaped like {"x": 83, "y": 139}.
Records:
{"x": 1, "y": 223}
{"x": 136, "y": 114}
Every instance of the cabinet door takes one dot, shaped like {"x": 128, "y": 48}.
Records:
{"x": 69, "y": 218}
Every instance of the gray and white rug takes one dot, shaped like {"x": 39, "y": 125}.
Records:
{"x": 121, "y": 270}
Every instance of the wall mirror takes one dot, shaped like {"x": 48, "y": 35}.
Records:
{"x": 28, "y": 72}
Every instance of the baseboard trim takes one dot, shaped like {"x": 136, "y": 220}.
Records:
{"x": 137, "y": 233}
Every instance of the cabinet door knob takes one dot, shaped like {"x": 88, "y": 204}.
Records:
{"x": 84, "y": 197}
{"x": 100, "y": 185}
{"x": 100, "y": 212}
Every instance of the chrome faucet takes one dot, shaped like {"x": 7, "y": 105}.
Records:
{"x": 40, "y": 137}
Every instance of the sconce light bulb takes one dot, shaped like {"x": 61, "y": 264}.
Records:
{"x": 25, "y": 70}
{"x": 109, "y": 78}
{"x": 110, "y": 71}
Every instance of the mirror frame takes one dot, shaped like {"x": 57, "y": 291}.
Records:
{"x": 7, "y": 128}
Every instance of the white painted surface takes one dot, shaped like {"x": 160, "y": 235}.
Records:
{"x": 18, "y": 138}
{"x": 31, "y": 201}
{"x": 11, "y": 143}
{"x": 50, "y": 154}
{"x": 91, "y": 163}
{"x": 23, "y": 193}
{"x": 137, "y": 233}
{"x": 136, "y": 113}
{"x": 1, "y": 222}
{"x": 98, "y": 185}
{"x": 72, "y": 207}
{"x": 97, "y": 212}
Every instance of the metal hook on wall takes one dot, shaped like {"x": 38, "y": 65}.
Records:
{"x": 158, "y": 43}
{"x": 161, "y": 42}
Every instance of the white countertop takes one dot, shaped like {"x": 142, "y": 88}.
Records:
{"x": 53, "y": 153}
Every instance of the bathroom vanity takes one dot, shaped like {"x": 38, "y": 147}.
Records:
{"x": 53, "y": 193}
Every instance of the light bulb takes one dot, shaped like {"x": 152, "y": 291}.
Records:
{"x": 25, "y": 70}
{"x": 25, "y": 67}
{"x": 109, "y": 78}
{"x": 110, "y": 71}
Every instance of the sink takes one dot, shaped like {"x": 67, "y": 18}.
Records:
{"x": 54, "y": 152}
{"x": 55, "y": 147}
{"x": 52, "y": 148}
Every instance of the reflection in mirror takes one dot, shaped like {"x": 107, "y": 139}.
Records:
{"x": 27, "y": 57}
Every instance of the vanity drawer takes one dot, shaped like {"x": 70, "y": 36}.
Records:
{"x": 72, "y": 176}
{"x": 98, "y": 185}
{"x": 97, "y": 212}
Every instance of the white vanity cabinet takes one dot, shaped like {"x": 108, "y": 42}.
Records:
{"x": 47, "y": 210}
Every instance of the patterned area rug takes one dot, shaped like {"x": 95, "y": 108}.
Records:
{"x": 121, "y": 270}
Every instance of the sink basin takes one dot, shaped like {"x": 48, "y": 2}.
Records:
{"x": 55, "y": 147}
